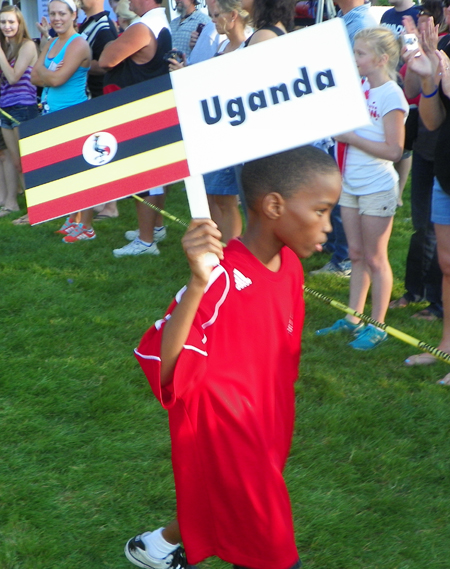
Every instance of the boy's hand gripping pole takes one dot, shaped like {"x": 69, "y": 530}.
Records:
{"x": 198, "y": 205}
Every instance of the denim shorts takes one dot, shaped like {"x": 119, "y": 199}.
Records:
{"x": 379, "y": 204}
{"x": 21, "y": 113}
{"x": 158, "y": 191}
{"x": 221, "y": 183}
{"x": 440, "y": 205}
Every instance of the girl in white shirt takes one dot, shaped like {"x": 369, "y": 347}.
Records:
{"x": 370, "y": 183}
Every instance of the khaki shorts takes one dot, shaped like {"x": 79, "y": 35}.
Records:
{"x": 380, "y": 204}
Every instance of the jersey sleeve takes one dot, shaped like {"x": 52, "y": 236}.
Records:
{"x": 192, "y": 362}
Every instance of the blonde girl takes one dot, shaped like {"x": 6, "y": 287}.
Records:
{"x": 18, "y": 54}
{"x": 370, "y": 183}
{"x": 231, "y": 20}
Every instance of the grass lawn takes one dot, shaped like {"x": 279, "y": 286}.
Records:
{"x": 85, "y": 452}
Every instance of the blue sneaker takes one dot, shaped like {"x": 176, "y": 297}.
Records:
{"x": 343, "y": 269}
{"x": 342, "y": 325}
{"x": 369, "y": 338}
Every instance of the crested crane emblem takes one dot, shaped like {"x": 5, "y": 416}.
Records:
{"x": 100, "y": 148}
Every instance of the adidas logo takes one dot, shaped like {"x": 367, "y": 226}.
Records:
{"x": 240, "y": 280}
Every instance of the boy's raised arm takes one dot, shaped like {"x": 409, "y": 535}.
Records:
{"x": 202, "y": 237}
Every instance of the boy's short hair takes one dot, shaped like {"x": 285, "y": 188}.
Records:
{"x": 284, "y": 172}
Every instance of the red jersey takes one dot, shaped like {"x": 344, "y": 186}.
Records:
{"x": 231, "y": 411}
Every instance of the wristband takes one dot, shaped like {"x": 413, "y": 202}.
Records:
{"x": 431, "y": 94}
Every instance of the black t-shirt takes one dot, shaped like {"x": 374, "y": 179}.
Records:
{"x": 97, "y": 30}
{"x": 129, "y": 73}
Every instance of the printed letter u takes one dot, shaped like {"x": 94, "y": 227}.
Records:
{"x": 218, "y": 112}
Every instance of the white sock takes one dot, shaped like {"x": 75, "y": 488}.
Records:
{"x": 156, "y": 545}
{"x": 159, "y": 228}
{"x": 145, "y": 243}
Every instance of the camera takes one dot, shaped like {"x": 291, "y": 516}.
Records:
{"x": 410, "y": 41}
{"x": 174, "y": 54}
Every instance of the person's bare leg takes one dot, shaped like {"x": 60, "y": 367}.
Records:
{"x": 376, "y": 234}
{"x": 214, "y": 209}
{"x": 403, "y": 168}
{"x": 231, "y": 222}
{"x": 110, "y": 209}
{"x": 146, "y": 219}
{"x": 171, "y": 533}
{"x": 443, "y": 248}
{"x": 11, "y": 138}
{"x": 3, "y": 190}
{"x": 11, "y": 179}
{"x": 159, "y": 202}
{"x": 86, "y": 217}
{"x": 360, "y": 277}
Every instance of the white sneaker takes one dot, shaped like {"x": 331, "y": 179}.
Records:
{"x": 136, "y": 553}
{"x": 136, "y": 247}
{"x": 158, "y": 234}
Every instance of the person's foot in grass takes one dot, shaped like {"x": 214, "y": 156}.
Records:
{"x": 445, "y": 380}
{"x": 424, "y": 359}
{"x": 23, "y": 220}
{"x": 159, "y": 549}
{"x": 401, "y": 302}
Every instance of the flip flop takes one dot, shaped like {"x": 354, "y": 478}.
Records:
{"x": 4, "y": 211}
{"x": 101, "y": 216}
{"x": 401, "y": 302}
{"x": 23, "y": 220}
{"x": 420, "y": 360}
{"x": 445, "y": 380}
{"x": 426, "y": 314}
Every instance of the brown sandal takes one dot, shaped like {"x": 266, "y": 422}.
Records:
{"x": 426, "y": 314}
{"x": 23, "y": 220}
{"x": 401, "y": 302}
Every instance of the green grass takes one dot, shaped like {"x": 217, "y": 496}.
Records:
{"x": 85, "y": 451}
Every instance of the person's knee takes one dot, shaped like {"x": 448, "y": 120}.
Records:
{"x": 444, "y": 263}
{"x": 377, "y": 263}
{"x": 355, "y": 253}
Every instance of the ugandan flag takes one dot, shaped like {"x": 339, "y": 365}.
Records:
{"x": 104, "y": 149}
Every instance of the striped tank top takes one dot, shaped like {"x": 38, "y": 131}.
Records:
{"x": 22, "y": 93}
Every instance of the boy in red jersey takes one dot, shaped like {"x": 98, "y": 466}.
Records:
{"x": 223, "y": 362}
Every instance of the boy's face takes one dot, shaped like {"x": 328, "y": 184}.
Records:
{"x": 305, "y": 221}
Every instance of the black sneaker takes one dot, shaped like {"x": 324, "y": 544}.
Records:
{"x": 135, "y": 553}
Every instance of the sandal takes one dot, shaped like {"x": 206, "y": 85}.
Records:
{"x": 4, "y": 211}
{"x": 102, "y": 216}
{"x": 23, "y": 220}
{"x": 401, "y": 302}
{"x": 426, "y": 314}
{"x": 424, "y": 359}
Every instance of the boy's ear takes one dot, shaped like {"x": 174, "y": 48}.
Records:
{"x": 273, "y": 205}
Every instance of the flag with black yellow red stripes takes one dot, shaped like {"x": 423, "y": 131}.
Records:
{"x": 101, "y": 150}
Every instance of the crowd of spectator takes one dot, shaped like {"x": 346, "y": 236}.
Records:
{"x": 72, "y": 63}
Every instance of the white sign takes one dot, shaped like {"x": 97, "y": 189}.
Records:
{"x": 270, "y": 97}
